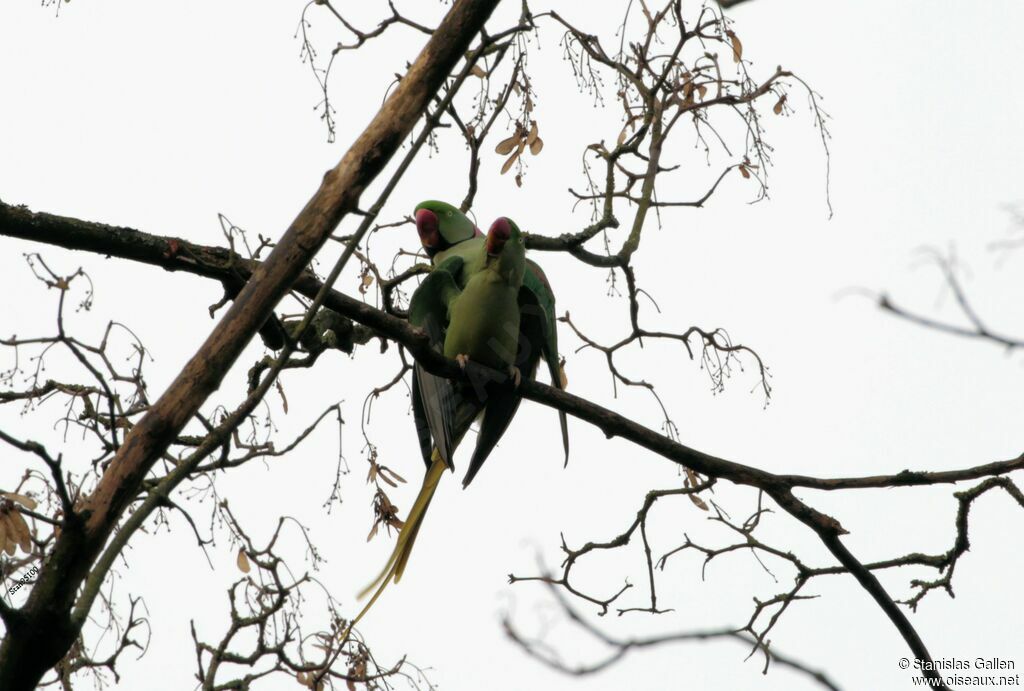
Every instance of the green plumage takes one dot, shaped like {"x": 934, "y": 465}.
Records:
{"x": 478, "y": 322}
{"x": 484, "y": 317}
{"x": 489, "y": 307}
{"x": 536, "y": 298}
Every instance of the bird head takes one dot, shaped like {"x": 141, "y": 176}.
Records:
{"x": 441, "y": 225}
{"x": 506, "y": 249}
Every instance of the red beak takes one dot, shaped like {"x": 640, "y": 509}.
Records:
{"x": 426, "y": 226}
{"x": 498, "y": 235}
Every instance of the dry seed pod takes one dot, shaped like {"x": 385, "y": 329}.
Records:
{"x": 14, "y": 525}
{"x": 737, "y": 46}
{"x": 365, "y": 283}
{"x": 21, "y": 531}
{"x": 698, "y": 502}
{"x": 532, "y": 136}
{"x": 505, "y": 146}
{"x": 509, "y": 162}
{"x": 28, "y": 502}
{"x": 10, "y": 543}
{"x": 384, "y": 470}
{"x": 537, "y": 146}
{"x": 242, "y": 561}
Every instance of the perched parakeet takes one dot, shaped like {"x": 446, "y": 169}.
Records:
{"x": 477, "y": 323}
{"x": 540, "y": 334}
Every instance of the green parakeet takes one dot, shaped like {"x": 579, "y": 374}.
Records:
{"x": 445, "y": 234}
{"x": 477, "y": 323}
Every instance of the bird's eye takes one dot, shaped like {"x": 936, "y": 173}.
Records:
{"x": 448, "y": 214}
{"x": 522, "y": 241}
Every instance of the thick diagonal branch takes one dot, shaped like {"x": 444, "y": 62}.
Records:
{"x": 44, "y": 630}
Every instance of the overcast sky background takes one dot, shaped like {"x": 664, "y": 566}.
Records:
{"x": 159, "y": 117}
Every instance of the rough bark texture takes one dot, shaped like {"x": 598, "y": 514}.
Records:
{"x": 40, "y": 634}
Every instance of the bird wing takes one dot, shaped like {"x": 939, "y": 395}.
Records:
{"x": 435, "y": 398}
{"x": 536, "y": 282}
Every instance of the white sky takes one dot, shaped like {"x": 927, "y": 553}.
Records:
{"x": 159, "y": 117}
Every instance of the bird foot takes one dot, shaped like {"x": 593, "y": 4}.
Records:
{"x": 463, "y": 360}
{"x": 517, "y": 377}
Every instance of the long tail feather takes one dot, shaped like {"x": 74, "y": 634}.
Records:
{"x": 400, "y": 564}
{"x": 403, "y": 546}
{"x": 412, "y": 522}
{"x": 362, "y": 612}
{"x": 565, "y": 436}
